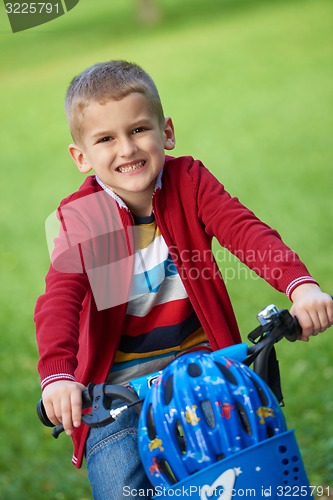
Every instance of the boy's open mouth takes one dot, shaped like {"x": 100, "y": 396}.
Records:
{"x": 131, "y": 167}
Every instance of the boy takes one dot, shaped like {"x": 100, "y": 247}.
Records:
{"x": 133, "y": 281}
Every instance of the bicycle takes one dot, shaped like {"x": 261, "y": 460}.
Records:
{"x": 272, "y": 467}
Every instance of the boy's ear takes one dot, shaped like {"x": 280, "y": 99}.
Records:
{"x": 80, "y": 158}
{"x": 169, "y": 134}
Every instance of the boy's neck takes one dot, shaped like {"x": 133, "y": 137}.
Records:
{"x": 141, "y": 209}
{"x": 140, "y": 204}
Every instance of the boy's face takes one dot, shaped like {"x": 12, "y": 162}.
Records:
{"x": 124, "y": 143}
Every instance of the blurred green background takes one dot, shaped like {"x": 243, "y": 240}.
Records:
{"x": 249, "y": 86}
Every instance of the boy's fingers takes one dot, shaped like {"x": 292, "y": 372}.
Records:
{"x": 313, "y": 309}
{"x": 76, "y": 408}
{"x": 313, "y": 322}
{"x": 305, "y": 322}
{"x": 63, "y": 404}
{"x": 51, "y": 413}
{"x": 329, "y": 311}
{"x": 321, "y": 320}
{"x": 330, "y": 315}
{"x": 316, "y": 324}
{"x": 324, "y": 319}
{"x": 66, "y": 415}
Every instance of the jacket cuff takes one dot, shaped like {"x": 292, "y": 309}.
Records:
{"x": 52, "y": 371}
{"x": 297, "y": 282}
{"x": 54, "y": 378}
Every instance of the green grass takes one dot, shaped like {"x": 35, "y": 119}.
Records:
{"x": 248, "y": 84}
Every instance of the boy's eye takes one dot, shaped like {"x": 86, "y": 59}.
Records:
{"x": 137, "y": 130}
{"x": 105, "y": 139}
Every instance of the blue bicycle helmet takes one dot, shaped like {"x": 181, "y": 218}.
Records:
{"x": 201, "y": 409}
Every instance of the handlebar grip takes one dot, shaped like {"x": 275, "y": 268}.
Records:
{"x": 296, "y": 330}
{"x": 57, "y": 430}
{"x": 42, "y": 414}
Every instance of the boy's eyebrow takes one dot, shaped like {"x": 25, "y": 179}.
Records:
{"x": 101, "y": 133}
{"x": 141, "y": 120}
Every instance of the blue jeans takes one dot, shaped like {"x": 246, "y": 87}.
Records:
{"x": 113, "y": 462}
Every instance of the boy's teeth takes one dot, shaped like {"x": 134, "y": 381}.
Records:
{"x": 130, "y": 168}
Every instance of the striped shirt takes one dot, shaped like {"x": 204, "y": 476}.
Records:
{"x": 160, "y": 321}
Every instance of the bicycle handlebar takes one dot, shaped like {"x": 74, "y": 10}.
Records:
{"x": 275, "y": 325}
{"x": 99, "y": 398}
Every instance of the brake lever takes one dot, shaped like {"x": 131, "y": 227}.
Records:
{"x": 102, "y": 396}
{"x": 100, "y": 407}
{"x": 280, "y": 324}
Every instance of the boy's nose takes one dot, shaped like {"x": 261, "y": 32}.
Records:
{"x": 127, "y": 147}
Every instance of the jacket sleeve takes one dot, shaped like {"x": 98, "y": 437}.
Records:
{"x": 57, "y": 318}
{"x": 58, "y": 310}
{"x": 91, "y": 269}
{"x": 248, "y": 238}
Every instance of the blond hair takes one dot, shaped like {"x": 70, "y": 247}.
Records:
{"x": 102, "y": 82}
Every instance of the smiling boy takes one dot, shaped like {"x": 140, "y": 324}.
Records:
{"x": 123, "y": 142}
{"x": 162, "y": 210}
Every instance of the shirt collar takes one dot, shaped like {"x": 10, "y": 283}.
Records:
{"x": 121, "y": 203}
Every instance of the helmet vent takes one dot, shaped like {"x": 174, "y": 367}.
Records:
{"x": 167, "y": 471}
{"x": 168, "y": 393}
{"x": 270, "y": 432}
{"x": 150, "y": 423}
{"x": 180, "y": 436}
{"x": 244, "y": 419}
{"x": 208, "y": 413}
{"x": 194, "y": 370}
{"x": 226, "y": 373}
{"x": 261, "y": 393}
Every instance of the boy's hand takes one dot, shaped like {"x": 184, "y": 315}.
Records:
{"x": 63, "y": 403}
{"x": 312, "y": 308}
